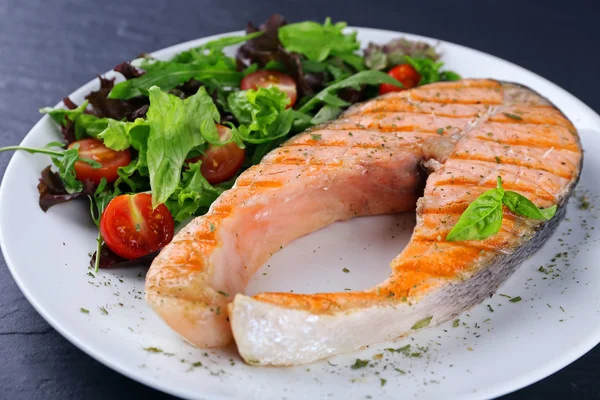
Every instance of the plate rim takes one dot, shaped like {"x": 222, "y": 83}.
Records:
{"x": 560, "y": 361}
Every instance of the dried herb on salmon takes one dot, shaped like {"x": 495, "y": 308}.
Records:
{"x": 513, "y": 116}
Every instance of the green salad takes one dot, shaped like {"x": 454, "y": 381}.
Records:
{"x": 163, "y": 143}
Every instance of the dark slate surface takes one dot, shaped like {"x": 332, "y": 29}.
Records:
{"x": 48, "y": 48}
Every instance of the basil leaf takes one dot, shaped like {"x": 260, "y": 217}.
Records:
{"x": 60, "y": 115}
{"x": 481, "y": 219}
{"x": 318, "y": 41}
{"x": 354, "y": 81}
{"x": 176, "y": 127}
{"x": 521, "y": 205}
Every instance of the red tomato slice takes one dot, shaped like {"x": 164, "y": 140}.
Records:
{"x": 132, "y": 229}
{"x": 267, "y": 78}
{"x": 406, "y": 74}
{"x": 220, "y": 163}
{"x": 109, "y": 159}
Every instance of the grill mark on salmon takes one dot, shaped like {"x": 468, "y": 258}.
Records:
{"x": 369, "y": 162}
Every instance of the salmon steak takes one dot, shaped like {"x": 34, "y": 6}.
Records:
{"x": 434, "y": 148}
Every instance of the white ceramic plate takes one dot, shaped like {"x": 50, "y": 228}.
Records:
{"x": 487, "y": 355}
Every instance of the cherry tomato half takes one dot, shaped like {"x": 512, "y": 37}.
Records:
{"x": 110, "y": 160}
{"x": 267, "y": 78}
{"x": 132, "y": 229}
{"x": 406, "y": 74}
{"x": 220, "y": 163}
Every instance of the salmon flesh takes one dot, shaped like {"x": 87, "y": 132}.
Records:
{"x": 436, "y": 148}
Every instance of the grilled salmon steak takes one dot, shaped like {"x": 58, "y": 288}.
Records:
{"x": 453, "y": 139}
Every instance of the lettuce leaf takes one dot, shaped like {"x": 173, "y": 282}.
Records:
{"x": 176, "y": 127}
{"x": 193, "y": 194}
{"x": 430, "y": 70}
{"x": 262, "y": 114}
{"x": 328, "y": 95}
{"x": 62, "y": 115}
{"x": 317, "y": 41}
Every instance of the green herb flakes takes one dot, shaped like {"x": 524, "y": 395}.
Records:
{"x": 515, "y": 299}
{"x": 153, "y": 349}
{"x": 422, "y": 323}
{"x": 359, "y": 364}
{"x": 513, "y": 116}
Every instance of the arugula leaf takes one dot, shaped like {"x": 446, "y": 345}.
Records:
{"x": 60, "y": 115}
{"x": 214, "y": 47}
{"x": 98, "y": 202}
{"x": 318, "y": 41}
{"x": 262, "y": 114}
{"x": 193, "y": 194}
{"x": 481, "y": 219}
{"x": 100, "y": 199}
{"x": 176, "y": 127}
{"x": 355, "y": 81}
{"x": 354, "y": 60}
{"x": 66, "y": 169}
{"x": 326, "y": 113}
{"x": 65, "y": 161}
{"x": 205, "y": 63}
{"x": 168, "y": 75}
{"x": 430, "y": 70}
{"x": 521, "y": 205}
{"x": 262, "y": 149}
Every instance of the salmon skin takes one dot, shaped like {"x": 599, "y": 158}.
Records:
{"x": 459, "y": 136}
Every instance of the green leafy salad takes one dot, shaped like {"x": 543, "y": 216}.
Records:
{"x": 159, "y": 145}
